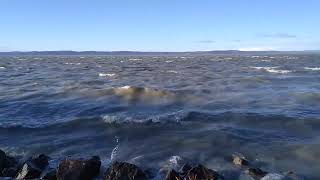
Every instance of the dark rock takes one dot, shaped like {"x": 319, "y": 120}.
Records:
{"x": 173, "y": 175}
{"x": 2, "y": 160}
{"x": 28, "y": 171}
{"x": 124, "y": 171}
{"x": 33, "y": 167}
{"x": 40, "y": 161}
{"x": 6, "y": 162}
{"x": 49, "y": 175}
{"x": 256, "y": 172}
{"x": 75, "y": 169}
{"x": 185, "y": 168}
{"x": 9, "y": 172}
{"x": 202, "y": 173}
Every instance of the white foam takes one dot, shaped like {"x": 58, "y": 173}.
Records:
{"x": 135, "y": 59}
{"x": 70, "y": 63}
{"x": 312, "y": 68}
{"x": 272, "y": 69}
{"x": 106, "y": 74}
{"x": 172, "y": 71}
{"x": 1, "y": 67}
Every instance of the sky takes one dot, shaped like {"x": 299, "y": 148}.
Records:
{"x": 159, "y": 25}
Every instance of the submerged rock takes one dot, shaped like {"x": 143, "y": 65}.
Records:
{"x": 202, "y": 173}
{"x": 240, "y": 161}
{"x": 256, "y": 172}
{"x": 124, "y": 171}
{"x": 33, "y": 167}
{"x": 49, "y": 175}
{"x": 75, "y": 169}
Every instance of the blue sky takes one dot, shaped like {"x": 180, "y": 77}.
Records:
{"x": 159, "y": 25}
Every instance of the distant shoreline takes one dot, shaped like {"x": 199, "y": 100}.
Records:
{"x": 142, "y": 53}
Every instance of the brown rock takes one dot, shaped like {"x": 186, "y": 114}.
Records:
{"x": 202, "y": 173}
{"x": 78, "y": 169}
{"x": 173, "y": 175}
{"x": 124, "y": 171}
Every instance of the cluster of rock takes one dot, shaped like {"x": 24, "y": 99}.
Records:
{"x": 37, "y": 167}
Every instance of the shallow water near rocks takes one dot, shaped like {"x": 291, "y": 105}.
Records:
{"x": 154, "y": 111}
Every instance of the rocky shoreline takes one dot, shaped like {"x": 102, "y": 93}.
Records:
{"x": 37, "y": 167}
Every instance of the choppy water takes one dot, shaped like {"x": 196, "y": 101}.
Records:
{"x": 154, "y": 110}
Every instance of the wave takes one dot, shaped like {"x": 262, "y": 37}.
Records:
{"x": 106, "y": 74}
{"x": 2, "y": 67}
{"x": 312, "y": 68}
{"x": 272, "y": 69}
{"x": 226, "y": 121}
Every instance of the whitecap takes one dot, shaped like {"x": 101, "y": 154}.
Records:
{"x": 135, "y": 59}
{"x": 106, "y": 74}
{"x": 2, "y": 67}
{"x": 272, "y": 69}
{"x": 172, "y": 71}
{"x": 70, "y": 63}
{"x": 312, "y": 68}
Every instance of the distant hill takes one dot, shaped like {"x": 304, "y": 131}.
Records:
{"x": 139, "y": 53}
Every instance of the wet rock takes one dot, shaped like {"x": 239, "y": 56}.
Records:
{"x": 6, "y": 162}
{"x": 2, "y": 160}
{"x": 173, "y": 175}
{"x": 202, "y": 173}
{"x": 28, "y": 171}
{"x": 240, "y": 161}
{"x": 33, "y": 167}
{"x": 185, "y": 168}
{"x": 49, "y": 175}
{"x": 9, "y": 172}
{"x": 40, "y": 161}
{"x": 75, "y": 169}
{"x": 124, "y": 171}
{"x": 256, "y": 172}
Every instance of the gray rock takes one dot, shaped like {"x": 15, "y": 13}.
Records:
{"x": 33, "y": 167}
{"x": 78, "y": 169}
{"x": 28, "y": 171}
{"x": 124, "y": 171}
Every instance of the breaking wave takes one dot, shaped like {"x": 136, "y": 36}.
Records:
{"x": 272, "y": 70}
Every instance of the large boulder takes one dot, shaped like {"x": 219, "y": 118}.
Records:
{"x": 33, "y": 167}
{"x": 200, "y": 172}
{"x": 76, "y": 169}
{"x": 124, "y": 171}
{"x": 7, "y": 164}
